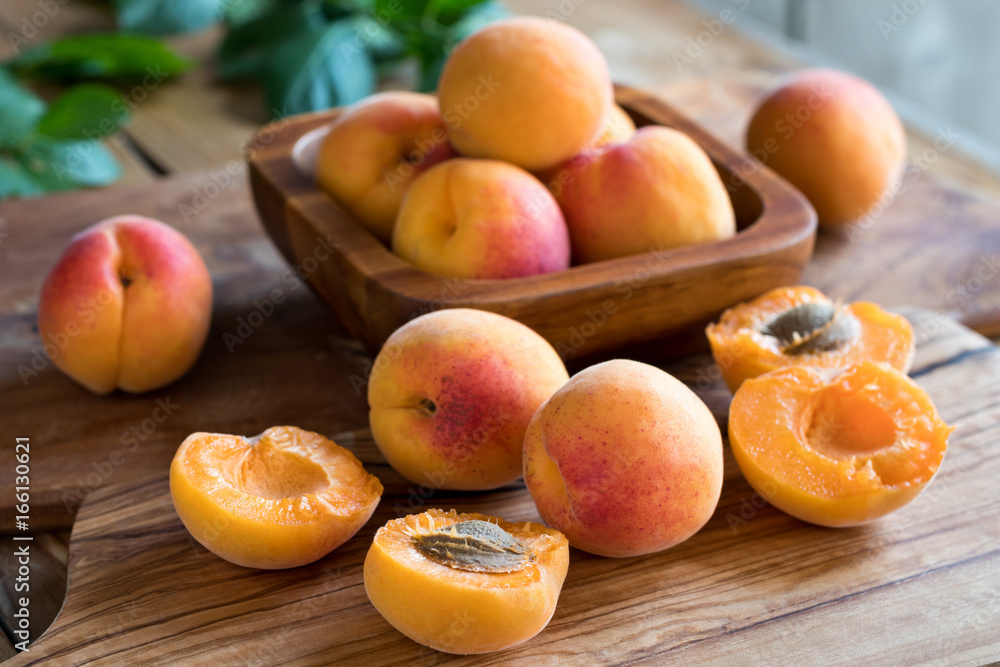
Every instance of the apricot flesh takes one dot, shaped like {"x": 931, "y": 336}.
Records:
{"x": 834, "y": 137}
{"x": 836, "y": 452}
{"x": 282, "y": 499}
{"x": 460, "y": 611}
{"x": 624, "y": 459}
{"x": 743, "y": 348}
{"x": 526, "y": 90}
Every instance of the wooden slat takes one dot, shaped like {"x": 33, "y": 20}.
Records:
{"x": 48, "y": 556}
{"x": 755, "y": 585}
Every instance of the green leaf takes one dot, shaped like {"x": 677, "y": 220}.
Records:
{"x": 58, "y": 164}
{"x": 101, "y": 56}
{"x": 447, "y": 12}
{"x": 400, "y": 11}
{"x": 167, "y": 17}
{"x": 238, "y": 12}
{"x": 20, "y": 110}
{"x": 320, "y": 70}
{"x": 87, "y": 111}
{"x": 246, "y": 49}
{"x": 16, "y": 181}
{"x": 384, "y": 43}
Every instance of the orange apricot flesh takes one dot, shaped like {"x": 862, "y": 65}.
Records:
{"x": 282, "y": 499}
{"x": 836, "y": 452}
{"x": 742, "y": 349}
{"x": 459, "y": 611}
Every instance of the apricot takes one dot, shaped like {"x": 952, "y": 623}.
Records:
{"x": 836, "y": 452}
{"x": 451, "y": 394}
{"x": 284, "y": 498}
{"x": 465, "y": 583}
{"x": 128, "y": 305}
{"x": 624, "y": 459}
{"x": 617, "y": 128}
{"x": 656, "y": 190}
{"x": 800, "y": 326}
{"x": 834, "y": 137}
{"x": 481, "y": 219}
{"x": 525, "y": 90}
{"x": 375, "y": 149}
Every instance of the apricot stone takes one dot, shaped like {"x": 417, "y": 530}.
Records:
{"x": 526, "y": 90}
{"x": 624, "y": 459}
{"x": 834, "y": 137}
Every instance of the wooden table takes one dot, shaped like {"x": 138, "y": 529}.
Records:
{"x": 171, "y": 157}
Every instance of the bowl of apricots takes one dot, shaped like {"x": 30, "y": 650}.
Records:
{"x": 546, "y": 194}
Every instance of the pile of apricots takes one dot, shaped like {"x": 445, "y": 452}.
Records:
{"x": 521, "y": 165}
{"x": 621, "y": 459}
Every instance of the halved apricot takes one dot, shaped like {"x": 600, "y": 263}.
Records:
{"x": 466, "y": 583}
{"x": 800, "y": 326}
{"x": 284, "y": 498}
{"x": 836, "y": 452}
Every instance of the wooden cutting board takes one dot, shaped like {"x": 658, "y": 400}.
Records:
{"x": 754, "y": 585}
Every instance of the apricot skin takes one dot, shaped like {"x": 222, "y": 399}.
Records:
{"x": 618, "y": 127}
{"x": 526, "y": 90}
{"x": 457, "y": 611}
{"x": 481, "y": 219}
{"x": 376, "y": 149}
{"x": 485, "y": 375}
{"x": 128, "y": 306}
{"x": 230, "y": 493}
{"x": 741, "y": 352}
{"x": 654, "y": 191}
{"x": 624, "y": 459}
{"x": 807, "y": 461}
{"x": 834, "y": 137}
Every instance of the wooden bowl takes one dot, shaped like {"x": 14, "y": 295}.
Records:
{"x": 587, "y": 309}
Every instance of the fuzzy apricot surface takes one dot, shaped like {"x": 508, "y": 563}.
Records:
{"x": 282, "y": 499}
{"x": 458, "y": 611}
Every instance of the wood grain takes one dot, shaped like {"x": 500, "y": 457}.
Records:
{"x": 919, "y": 585}
{"x": 374, "y": 292}
{"x": 49, "y": 553}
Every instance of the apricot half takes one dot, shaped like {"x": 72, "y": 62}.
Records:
{"x": 284, "y": 498}
{"x": 800, "y": 326}
{"x": 837, "y": 452}
{"x": 466, "y": 583}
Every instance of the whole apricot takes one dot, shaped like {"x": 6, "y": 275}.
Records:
{"x": 127, "y": 306}
{"x": 466, "y": 583}
{"x": 451, "y": 394}
{"x": 481, "y": 219}
{"x": 624, "y": 459}
{"x": 525, "y": 90}
{"x": 656, "y": 190}
{"x": 284, "y": 498}
{"x": 375, "y": 149}
{"x": 836, "y": 452}
{"x": 834, "y": 137}
{"x": 617, "y": 128}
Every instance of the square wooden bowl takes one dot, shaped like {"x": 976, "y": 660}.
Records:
{"x": 587, "y": 309}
